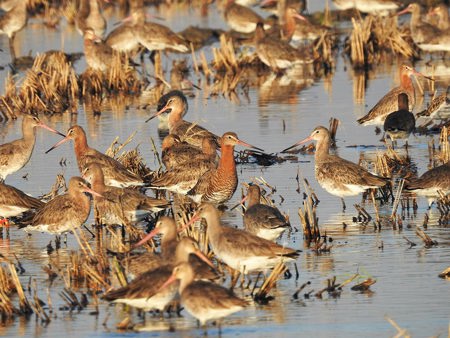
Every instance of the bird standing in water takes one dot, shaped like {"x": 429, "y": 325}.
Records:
{"x": 401, "y": 123}
{"x": 336, "y": 175}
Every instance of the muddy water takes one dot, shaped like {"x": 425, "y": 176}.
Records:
{"x": 407, "y": 289}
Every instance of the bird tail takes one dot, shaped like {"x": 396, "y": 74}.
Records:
{"x": 115, "y": 294}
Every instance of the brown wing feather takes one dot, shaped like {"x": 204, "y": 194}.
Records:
{"x": 248, "y": 244}
{"x": 110, "y": 166}
{"x": 346, "y": 172}
{"x": 145, "y": 285}
{"x": 436, "y": 177}
{"x": 13, "y": 196}
{"x": 48, "y": 215}
{"x": 210, "y": 295}
{"x": 387, "y": 104}
{"x": 7, "y": 151}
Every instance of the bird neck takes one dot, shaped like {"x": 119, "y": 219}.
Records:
{"x": 254, "y": 198}
{"x": 260, "y": 34}
{"x": 227, "y": 163}
{"x": 213, "y": 223}
{"x": 289, "y": 26}
{"x": 84, "y": 7}
{"x": 138, "y": 18}
{"x": 88, "y": 43}
{"x": 406, "y": 81}
{"x": 81, "y": 146}
{"x": 81, "y": 198}
{"x": 322, "y": 149}
{"x": 93, "y": 5}
{"x": 174, "y": 117}
{"x": 415, "y": 16}
{"x": 187, "y": 279}
{"x": 403, "y": 102}
{"x": 167, "y": 240}
{"x": 98, "y": 183}
{"x": 29, "y": 133}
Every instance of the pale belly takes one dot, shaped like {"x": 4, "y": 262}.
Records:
{"x": 157, "y": 302}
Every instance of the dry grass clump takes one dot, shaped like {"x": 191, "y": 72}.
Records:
{"x": 9, "y": 100}
{"x": 131, "y": 159}
{"x": 120, "y": 78}
{"x": 69, "y": 10}
{"x": 371, "y": 36}
{"x": 50, "y": 86}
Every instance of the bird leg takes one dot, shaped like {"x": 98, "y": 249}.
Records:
{"x": 343, "y": 204}
{"x": 219, "y": 325}
{"x": 11, "y": 49}
{"x": 394, "y": 144}
{"x": 57, "y": 242}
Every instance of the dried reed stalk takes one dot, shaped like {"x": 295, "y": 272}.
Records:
{"x": 398, "y": 195}
{"x": 308, "y": 218}
{"x": 205, "y": 66}
{"x": 270, "y": 282}
{"x": 24, "y": 305}
{"x": 194, "y": 60}
{"x": 445, "y": 274}
{"x": 445, "y": 145}
{"x": 364, "y": 286}
{"x": 373, "y": 35}
{"x": 401, "y": 333}
{"x": 425, "y": 238}
{"x": 7, "y": 285}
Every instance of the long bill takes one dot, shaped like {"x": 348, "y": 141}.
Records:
{"x": 165, "y": 108}
{"x": 241, "y": 202}
{"x": 300, "y": 17}
{"x": 169, "y": 281}
{"x": 415, "y": 72}
{"x": 248, "y": 145}
{"x": 44, "y": 126}
{"x": 64, "y": 140}
{"x": 92, "y": 192}
{"x": 404, "y": 11}
{"x": 149, "y": 236}
{"x": 194, "y": 219}
{"x": 205, "y": 259}
{"x": 309, "y": 138}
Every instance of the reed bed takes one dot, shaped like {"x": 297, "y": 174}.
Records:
{"x": 373, "y": 35}
{"x": 119, "y": 79}
{"x": 49, "y": 87}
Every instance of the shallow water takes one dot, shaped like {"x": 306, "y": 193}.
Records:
{"x": 407, "y": 289}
